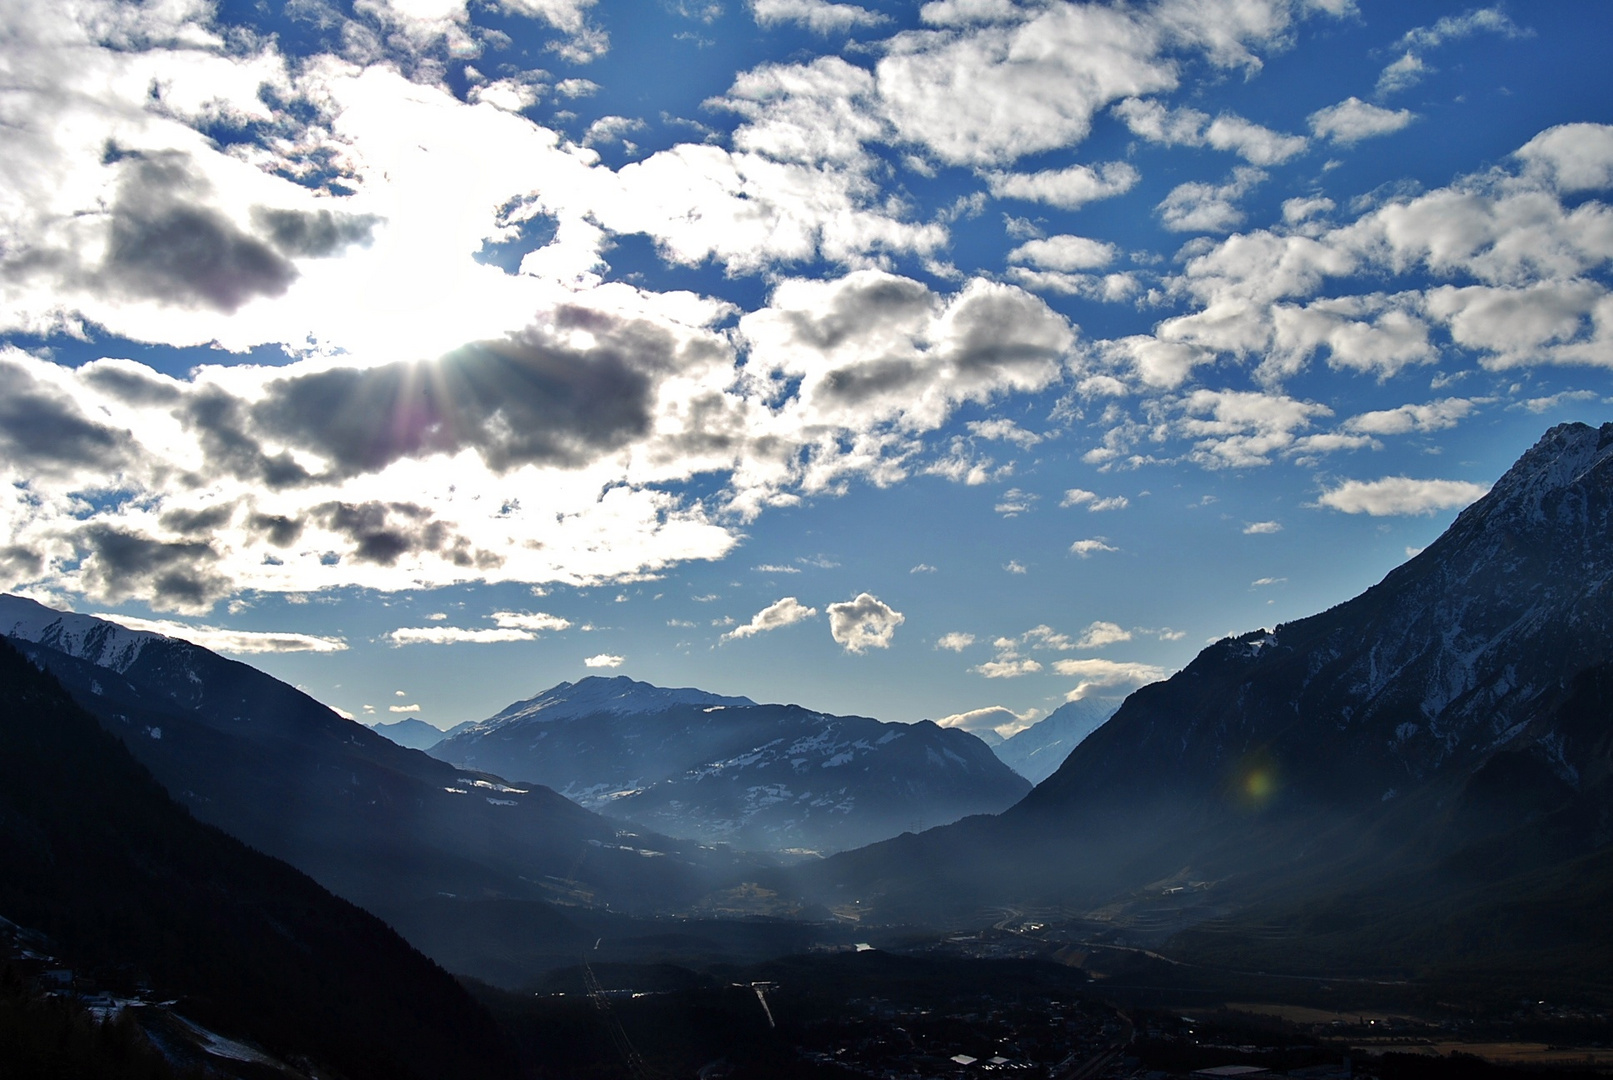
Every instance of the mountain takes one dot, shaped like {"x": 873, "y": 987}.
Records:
{"x": 1036, "y": 752}
{"x": 415, "y": 734}
{"x": 131, "y": 887}
{"x": 727, "y": 770}
{"x": 1444, "y": 735}
{"x": 379, "y": 824}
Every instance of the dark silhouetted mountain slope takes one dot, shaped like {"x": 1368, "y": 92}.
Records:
{"x": 721, "y": 769}
{"x": 377, "y": 823}
{"x": 94, "y": 853}
{"x": 1449, "y": 717}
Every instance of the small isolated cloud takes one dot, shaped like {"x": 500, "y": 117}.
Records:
{"x": 1260, "y": 583}
{"x": 777, "y": 568}
{"x": 863, "y": 623}
{"x": 604, "y": 660}
{"x": 1015, "y": 502}
{"x": 1262, "y": 528}
{"x": 403, "y": 708}
{"x": 922, "y": 568}
{"x": 1084, "y": 548}
{"x": 1352, "y": 120}
{"x": 955, "y": 641}
{"x": 456, "y": 635}
{"x": 219, "y": 639}
{"x": 576, "y": 88}
{"x": 1009, "y": 668}
{"x": 1098, "y": 674}
{"x": 1004, "y": 429}
{"x": 1546, "y": 404}
{"x": 1100, "y": 634}
{"x": 819, "y": 16}
{"x": 1092, "y": 501}
{"x": 772, "y": 617}
{"x": 530, "y": 620}
{"x": 996, "y": 718}
{"x": 1396, "y": 495}
{"x": 1014, "y": 566}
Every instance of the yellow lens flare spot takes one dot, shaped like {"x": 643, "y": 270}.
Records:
{"x": 1254, "y": 781}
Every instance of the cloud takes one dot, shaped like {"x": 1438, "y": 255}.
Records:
{"x": 1014, "y": 566}
{"x": 1100, "y": 634}
{"x": 863, "y": 623}
{"x": 1434, "y": 416}
{"x": 1402, "y": 74}
{"x": 1092, "y": 501}
{"x": 1451, "y": 27}
{"x": 819, "y": 16}
{"x": 995, "y": 718}
{"x": 1069, "y": 188}
{"x": 1015, "y": 502}
{"x": 1262, "y": 528}
{"x": 1200, "y": 207}
{"x": 955, "y": 641}
{"x": 535, "y": 620}
{"x": 1395, "y": 495}
{"x": 604, "y": 660}
{"x": 1008, "y": 668}
{"x": 1084, "y": 548}
{"x": 1004, "y": 429}
{"x": 778, "y": 614}
{"x": 1352, "y": 120}
{"x": 775, "y": 568}
{"x": 1098, "y": 674}
{"x": 403, "y": 708}
{"x": 922, "y": 568}
{"x": 456, "y": 635}
{"x": 1573, "y": 157}
{"x": 1064, "y": 253}
{"x": 1260, "y": 583}
{"x": 231, "y": 641}
{"x": 1172, "y": 127}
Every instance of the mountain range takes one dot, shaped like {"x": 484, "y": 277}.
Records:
{"x": 1037, "y": 751}
{"x": 1446, "y": 733}
{"x": 724, "y": 769}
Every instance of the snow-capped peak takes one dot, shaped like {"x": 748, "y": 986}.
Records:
{"x": 598, "y": 694}
{"x": 97, "y": 641}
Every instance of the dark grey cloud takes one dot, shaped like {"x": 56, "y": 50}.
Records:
{"x": 382, "y": 533}
{"x": 193, "y": 522}
{"x": 313, "y": 234}
{"x": 279, "y": 530}
{"x": 129, "y": 382}
{"x": 175, "y": 575}
{"x": 45, "y": 431}
{"x": 871, "y": 379}
{"x": 220, "y": 422}
{"x": 166, "y": 246}
{"x": 857, "y": 310}
{"x": 530, "y": 398}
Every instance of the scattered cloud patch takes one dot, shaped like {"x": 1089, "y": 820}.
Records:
{"x": 1260, "y": 583}
{"x": 778, "y": 614}
{"x": 1086, "y": 548}
{"x": 403, "y": 708}
{"x": 456, "y": 635}
{"x": 1262, "y": 528}
{"x": 819, "y": 16}
{"x": 922, "y": 568}
{"x": 1014, "y": 566}
{"x": 1100, "y": 634}
{"x": 1352, "y": 120}
{"x": 1095, "y": 674}
{"x": 1015, "y": 502}
{"x": 530, "y": 620}
{"x": 1401, "y": 495}
{"x": 863, "y": 623}
{"x": 1197, "y": 206}
{"x": 999, "y": 719}
{"x": 604, "y": 660}
{"x": 957, "y": 641}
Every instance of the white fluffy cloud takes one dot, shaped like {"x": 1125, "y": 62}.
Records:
{"x": 1069, "y": 188}
{"x": 456, "y": 635}
{"x": 1395, "y": 495}
{"x": 1200, "y": 207}
{"x": 820, "y": 16}
{"x": 604, "y": 660}
{"x": 775, "y": 615}
{"x": 998, "y": 719}
{"x": 1352, "y": 120}
{"x": 1085, "y": 548}
{"x": 863, "y": 623}
{"x": 1254, "y": 143}
{"x": 1095, "y": 674}
{"x": 955, "y": 641}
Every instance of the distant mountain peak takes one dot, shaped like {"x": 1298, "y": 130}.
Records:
{"x": 617, "y": 694}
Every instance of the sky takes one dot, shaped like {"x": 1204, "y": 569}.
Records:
{"x": 947, "y": 360}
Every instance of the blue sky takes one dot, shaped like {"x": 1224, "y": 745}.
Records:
{"x": 946, "y": 360}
